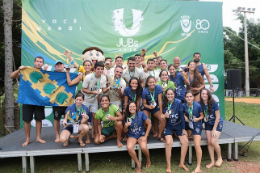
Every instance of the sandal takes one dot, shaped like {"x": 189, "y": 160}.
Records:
{"x": 65, "y": 144}
{"x": 82, "y": 144}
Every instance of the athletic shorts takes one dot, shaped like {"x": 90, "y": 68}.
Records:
{"x": 93, "y": 107}
{"x": 58, "y": 111}
{"x": 69, "y": 128}
{"x": 169, "y": 129}
{"x": 30, "y": 110}
{"x": 152, "y": 111}
{"x": 107, "y": 131}
{"x": 197, "y": 129}
{"x": 136, "y": 136}
{"x": 210, "y": 127}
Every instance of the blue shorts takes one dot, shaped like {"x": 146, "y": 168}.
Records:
{"x": 210, "y": 127}
{"x": 136, "y": 136}
{"x": 170, "y": 128}
{"x": 152, "y": 111}
{"x": 187, "y": 127}
{"x": 197, "y": 129}
{"x": 69, "y": 128}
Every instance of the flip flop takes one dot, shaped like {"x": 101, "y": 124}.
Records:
{"x": 82, "y": 144}
{"x": 65, "y": 144}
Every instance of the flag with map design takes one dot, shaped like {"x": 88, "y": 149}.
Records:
{"x": 45, "y": 88}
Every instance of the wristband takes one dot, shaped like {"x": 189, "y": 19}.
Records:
{"x": 72, "y": 62}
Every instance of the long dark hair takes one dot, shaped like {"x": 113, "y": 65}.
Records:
{"x": 165, "y": 100}
{"x": 127, "y": 112}
{"x": 139, "y": 88}
{"x": 210, "y": 100}
{"x": 160, "y": 74}
{"x": 80, "y": 94}
{"x": 147, "y": 80}
{"x": 197, "y": 76}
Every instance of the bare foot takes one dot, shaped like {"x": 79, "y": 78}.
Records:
{"x": 57, "y": 140}
{"x": 87, "y": 141}
{"x": 219, "y": 162}
{"x": 65, "y": 144}
{"x": 41, "y": 141}
{"x": 148, "y": 163}
{"x": 210, "y": 165}
{"x": 125, "y": 138}
{"x": 119, "y": 144}
{"x": 168, "y": 170}
{"x": 81, "y": 143}
{"x": 26, "y": 143}
{"x": 184, "y": 167}
{"x": 197, "y": 171}
{"x": 155, "y": 135}
{"x": 138, "y": 167}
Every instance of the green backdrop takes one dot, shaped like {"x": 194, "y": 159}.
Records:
{"x": 172, "y": 28}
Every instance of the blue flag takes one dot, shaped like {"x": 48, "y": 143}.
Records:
{"x": 45, "y": 88}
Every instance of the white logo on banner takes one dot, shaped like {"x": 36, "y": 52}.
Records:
{"x": 119, "y": 25}
{"x": 185, "y": 23}
{"x": 202, "y": 25}
{"x": 212, "y": 67}
{"x": 213, "y": 78}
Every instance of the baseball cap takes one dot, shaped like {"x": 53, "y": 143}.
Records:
{"x": 58, "y": 62}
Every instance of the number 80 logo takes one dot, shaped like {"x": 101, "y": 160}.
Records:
{"x": 202, "y": 24}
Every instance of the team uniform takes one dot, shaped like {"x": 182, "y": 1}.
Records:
{"x": 74, "y": 115}
{"x": 152, "y": 97}
{"x": 180, "y": 89}
{"x": 153, "y": 73}
{"x": 130, "y": 94}
{"x": 195, "y": 111}
{"x": 108, "y": 126}
{"x": 211, "y": 117}
{"x": 136, "y": 129}
{"x": 113, "y": 94}
{"x": 176, "y": 121}
{"x": 93, "y": 84}
{"x": 127, "y": 75}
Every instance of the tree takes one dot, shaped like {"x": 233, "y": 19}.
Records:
{"x": 8, "y": 83}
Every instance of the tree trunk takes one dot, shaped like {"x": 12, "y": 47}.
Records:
{"x": 9, "y": 96}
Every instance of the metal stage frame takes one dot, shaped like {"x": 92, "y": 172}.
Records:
{"x": 231, "y": 135}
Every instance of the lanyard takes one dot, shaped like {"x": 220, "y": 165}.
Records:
{"x": 117, "y": 81}
{"x": 132, "y": 116}
{"x": 191, "y": 81}
{"x": 130, "y": 74}
{"x": 205, "y": 110}
{"x": 80, "y": 110}
{"x": 190, "y": 110}
{"x": 98, "y": 83}
{"x": 105, "y": 113}
{"x": 152, "y": 95}
{"x": 153, "y": 73}
{"x": 133, "y": 95}
{"x": 170, "y": 105}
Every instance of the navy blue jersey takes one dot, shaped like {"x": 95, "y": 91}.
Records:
{"x": 197, "y": 109}
{"x": 180, "y": 89}
{"x": 147, "y": 94}
{"x": 136, "y": 129}
{"x": 211, "y": 116}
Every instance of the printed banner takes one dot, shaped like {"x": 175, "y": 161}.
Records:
{"x": 172, "y": 28}
{"x": 44, "y": 88}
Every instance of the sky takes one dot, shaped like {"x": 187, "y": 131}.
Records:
{"x": 230, "y": 5}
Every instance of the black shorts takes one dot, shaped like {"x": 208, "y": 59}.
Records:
{"x": 58, "y": 111}
{"x": 29, "y": 110}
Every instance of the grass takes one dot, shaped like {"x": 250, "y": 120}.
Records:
{"x": 118, "y": 162}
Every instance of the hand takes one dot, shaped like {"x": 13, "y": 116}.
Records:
{"x": 111, "y": 118}
{"x": 64, "y": 123}
{"x": 184, "y": 74}
{"x": 127, "y": 124}
{"x": 95, "y": 92}
{"x": 195, "y": 120}
{"x": 45, "y": 66}
{"x": 21, "y": 67}
{"x": 155, "y": 53}
{"x": 143, "y": 138}
{"x": 67, "y": 54}
{"x": 85, "y": 116}
{"x": 119, "y": 90}
{"x": 195, "y": 89}
{"x": 212, "y": 89}
{"x": 68, "y": 70}
{"x": 214, "y": 134}
{"x": 166, "y": 115}
{"x": 151, "y": 107}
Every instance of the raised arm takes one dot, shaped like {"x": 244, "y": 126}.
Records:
{"x": 68, "y": 55}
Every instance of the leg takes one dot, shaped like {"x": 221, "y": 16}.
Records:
{"x": 119, "y": 130}
{"x": 130, "y": 148}
{"x": 210, "y": 149}
{"x": 168, "y": 152}
{"x": 38, "y": 132}
{"x": 94, "y": 125}
{"x": 197, "y": 98}
{"x": 27, "y": 129}
{"x": 57, "y": 129}
{"x": 214, "y": 143}
{"x": 197, "y": 139}
{"x": 162, "y": 123}
{"x": 83, "y": 130}
{"x": 145, "y": 150}
{"x": 64, "y": 137}
{"x": 184, "y": 148}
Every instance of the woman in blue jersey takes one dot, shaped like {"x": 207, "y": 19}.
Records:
{"x": 194, "y": 116}
{"x": 213, "y": 125}
{"x": 133, "y": 92}
{"x": 180, "y": 79}
{"x": 75, "y": 113}
{"x": 134, "y": 127}
{"x": 152, "y": 102}
{"x": 175, "y": 122}
{"x": 196, "y": 81}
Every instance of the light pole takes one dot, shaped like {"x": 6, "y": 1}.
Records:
{"x": 244, "y": 10}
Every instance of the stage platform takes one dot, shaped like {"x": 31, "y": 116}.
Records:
{"x": 12, "y": 145}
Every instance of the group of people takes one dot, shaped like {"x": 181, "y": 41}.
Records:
{"x": 126, "y": 102}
